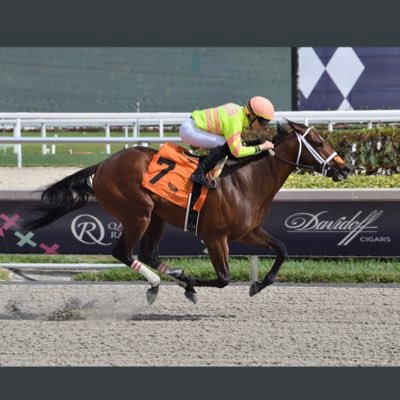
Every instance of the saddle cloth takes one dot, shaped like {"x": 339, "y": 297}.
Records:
{"x": 168, "y": 176}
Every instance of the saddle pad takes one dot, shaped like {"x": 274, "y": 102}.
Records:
{"x": 169, "y": 173}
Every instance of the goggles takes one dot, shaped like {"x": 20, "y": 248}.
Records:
{"x": 262, "y": 121}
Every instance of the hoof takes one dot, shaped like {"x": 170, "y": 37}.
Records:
{"x": 151, "y": 294}
{"x": 191, "y": 295}
{"x": 255, "y": 288}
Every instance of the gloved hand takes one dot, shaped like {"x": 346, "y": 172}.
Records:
{"x": 266, "y": 145}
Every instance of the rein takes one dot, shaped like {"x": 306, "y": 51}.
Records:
{"x": 301, "y": 139}
{"x": 304, "y": 166}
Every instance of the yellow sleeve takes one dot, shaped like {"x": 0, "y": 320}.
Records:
{"x": 233, "y": 135}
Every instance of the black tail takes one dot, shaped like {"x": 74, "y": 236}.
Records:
{"x": 58, "y": 199}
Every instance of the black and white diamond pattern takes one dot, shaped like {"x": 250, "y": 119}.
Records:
{"x": 344, "y": 69}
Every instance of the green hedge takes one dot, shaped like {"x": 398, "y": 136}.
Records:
{"x": 308, "y": 181}
{"x": 370, "y": 151}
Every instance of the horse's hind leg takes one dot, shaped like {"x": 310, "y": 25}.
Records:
{"x": 218, "y": 252}
{"x": 259, "y": 237}
{"x": 132, "y": 231}
{"x": 148, "y": 254}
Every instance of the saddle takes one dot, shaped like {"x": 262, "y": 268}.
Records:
{"x": 168, "y": 176}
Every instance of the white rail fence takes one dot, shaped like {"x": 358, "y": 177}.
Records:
{"x": 132, "y": 122}
{"x": 73, "y": 268}
{"x": 79, "y": 267}
{"x": 61, "y": 266}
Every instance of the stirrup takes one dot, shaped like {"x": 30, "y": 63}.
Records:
{"x": 216, "y": 171}
{"x": 201, "y": 178}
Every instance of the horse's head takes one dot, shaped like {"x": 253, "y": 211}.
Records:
{"x": 311, "y": 150}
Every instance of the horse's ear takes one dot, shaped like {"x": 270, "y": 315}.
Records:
{"x": 291, "y": 123}
{"x": 280, "y": 129}
{"x": 295, "y": 125}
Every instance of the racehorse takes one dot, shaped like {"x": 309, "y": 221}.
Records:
{"x": 232, "y": 212}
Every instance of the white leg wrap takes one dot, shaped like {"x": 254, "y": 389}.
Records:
{"x": 164, "y": 269}
{"x": 152, "y": 277}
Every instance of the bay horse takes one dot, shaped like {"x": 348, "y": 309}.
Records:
{"x": 232, "y": 212}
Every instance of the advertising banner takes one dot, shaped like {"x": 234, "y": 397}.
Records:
{"x": 308, "y": 228}
{"x": 348, "y": 78}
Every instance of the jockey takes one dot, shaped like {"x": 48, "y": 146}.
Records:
{"x": 220, "y": 129}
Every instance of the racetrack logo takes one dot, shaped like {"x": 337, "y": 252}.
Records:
{"x": 88, "y": 229}
{"x": 315, "y": 223}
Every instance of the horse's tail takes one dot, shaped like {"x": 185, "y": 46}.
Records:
{"x": 58, "y": 199}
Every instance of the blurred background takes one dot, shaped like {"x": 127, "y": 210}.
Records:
{"x": 181, "y": 79}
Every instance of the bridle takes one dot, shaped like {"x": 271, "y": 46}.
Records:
{"x": 324, "y": 163}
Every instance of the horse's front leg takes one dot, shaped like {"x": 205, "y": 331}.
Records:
{"x": 258, "y": 237}
{"x": 218, "y": 252}
{"x": 217, "y": 248}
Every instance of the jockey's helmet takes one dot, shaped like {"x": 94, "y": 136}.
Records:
{"x": 261, "y": 108}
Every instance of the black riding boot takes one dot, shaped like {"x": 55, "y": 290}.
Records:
{"x": 207, "y": 163}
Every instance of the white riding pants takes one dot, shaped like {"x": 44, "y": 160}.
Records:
{"x": 190, "y": 134}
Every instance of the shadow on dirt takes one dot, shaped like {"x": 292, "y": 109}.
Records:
{"x": 167, "y": 317}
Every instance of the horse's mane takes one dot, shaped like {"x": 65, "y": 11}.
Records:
{"x": 234, "y": 164}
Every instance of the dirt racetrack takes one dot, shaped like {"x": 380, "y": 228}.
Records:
{"x": 33, "y": 177}
{"x": 44, "y": 324}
